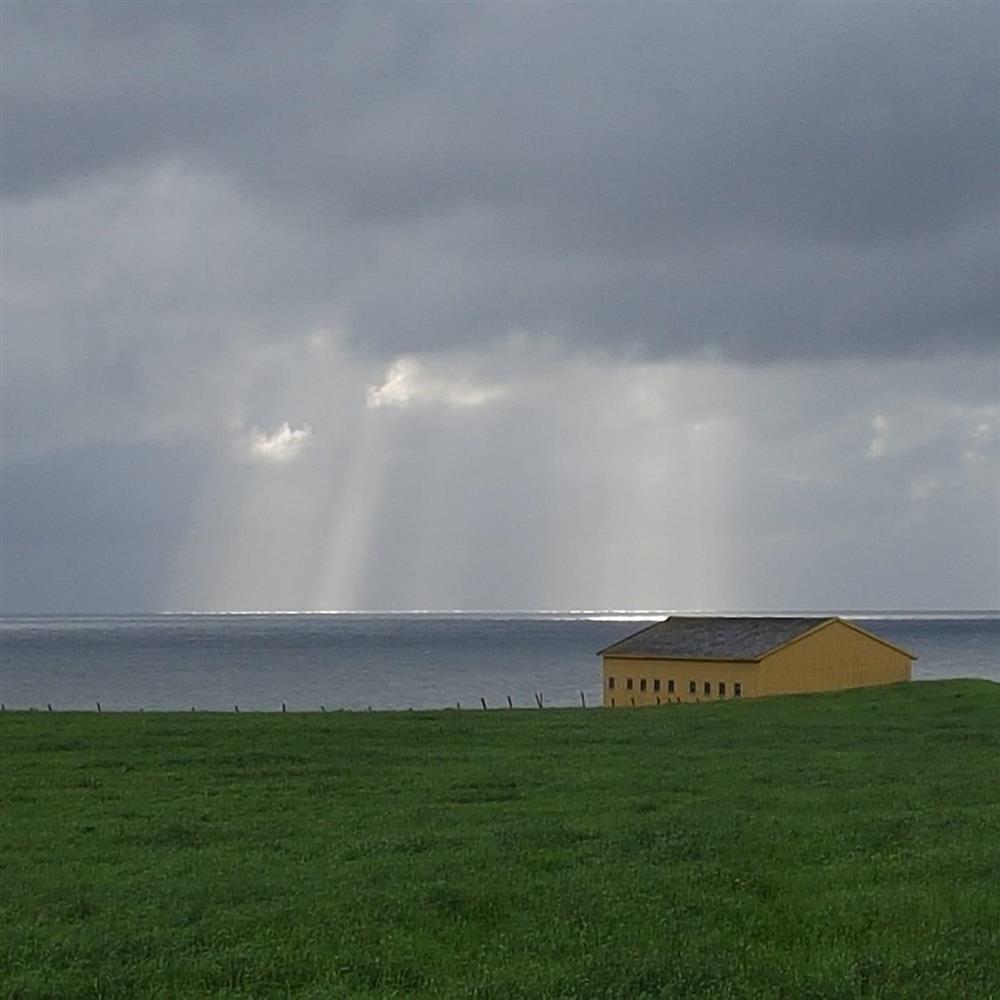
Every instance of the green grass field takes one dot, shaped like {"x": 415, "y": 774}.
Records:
{"x": 826, "y": 846}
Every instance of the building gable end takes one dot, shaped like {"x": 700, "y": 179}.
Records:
{"x": 875, "y": 638}
{"x": 818, "y": 627}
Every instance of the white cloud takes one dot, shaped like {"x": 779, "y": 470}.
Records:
{"x": 408, "y": 382}
{"x": 978, "y": 441}
{"x": 281, "y": 446}
{"x": 924, "y": 487}
{"x": 880, "y": 436}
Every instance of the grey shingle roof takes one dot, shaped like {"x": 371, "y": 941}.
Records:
{"x": 713, "y": 638}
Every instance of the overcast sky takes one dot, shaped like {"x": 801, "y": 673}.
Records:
{"x": 318, "y": 306}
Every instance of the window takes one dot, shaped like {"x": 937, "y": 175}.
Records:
{"x": 738, "y": 689}
{"x": 692, "y": 687}
{"x": 628, "y": 683}
{"x": 642, "y": 684}
{"x": 708, "y": 687}
{"x": 670, "y": 687}
{"x": 611, "y": 683}
{"x": 722, "y": 689}
{"x": 656, "y": 685}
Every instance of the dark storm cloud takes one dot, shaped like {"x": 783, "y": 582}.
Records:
{"x": 749, "y": 181}
{"x": 93, "y": 528}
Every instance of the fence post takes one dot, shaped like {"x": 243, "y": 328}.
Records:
{"x": 583, "y": 701}
{"x": 510, "y": 704}
{"x": 98, "y": 708}
{"x": 483, "y": 700}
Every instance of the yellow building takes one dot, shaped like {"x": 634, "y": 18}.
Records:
{"x": 709, "y": 659}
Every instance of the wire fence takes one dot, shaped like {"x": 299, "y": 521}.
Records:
{"x": 97, "y": 707}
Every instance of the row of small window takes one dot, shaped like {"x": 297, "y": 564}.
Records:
{"x": 692, "y": 686}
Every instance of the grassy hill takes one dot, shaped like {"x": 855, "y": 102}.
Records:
{"x": 827, "y": 846}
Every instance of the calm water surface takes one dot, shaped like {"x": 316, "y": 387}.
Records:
{"x": 353, "y": 661}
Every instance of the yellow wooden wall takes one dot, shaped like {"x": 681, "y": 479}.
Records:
{"x": 832, "y": 658}
{"x": 681, "y": 672}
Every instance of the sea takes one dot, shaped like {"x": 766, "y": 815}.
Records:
{"x": 360, "y": 661}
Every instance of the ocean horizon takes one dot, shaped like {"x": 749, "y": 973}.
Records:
{"x": 599, "y": 614}
{"x": 417, "y": 659}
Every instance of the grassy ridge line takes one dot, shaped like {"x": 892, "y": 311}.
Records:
{"x": 828, "y": 846}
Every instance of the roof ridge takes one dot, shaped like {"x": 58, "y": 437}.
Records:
{"x": 632, "y": 635}
{"x": 724, "y": 637}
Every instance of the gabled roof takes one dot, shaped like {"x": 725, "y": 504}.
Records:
{"x": 684, "y": 638}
